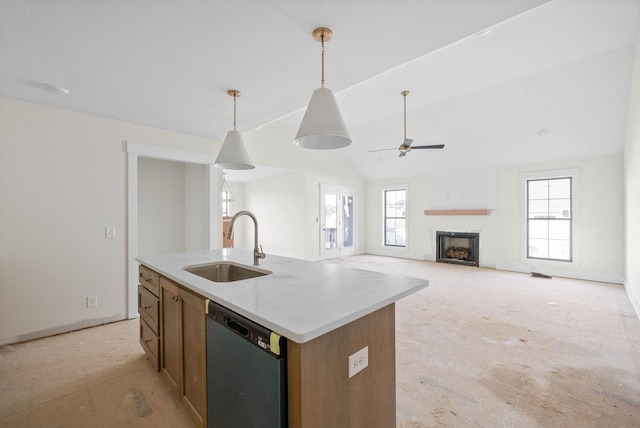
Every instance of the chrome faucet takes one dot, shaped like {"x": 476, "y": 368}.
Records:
{"x": 257, "y": 249}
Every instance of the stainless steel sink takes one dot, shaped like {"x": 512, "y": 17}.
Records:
{"x": 226, "y": 271}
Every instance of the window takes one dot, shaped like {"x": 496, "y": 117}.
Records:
{"x": 395, "y": 217}
{"x": 226, "y": 198}
{"x": 549, "y": 221}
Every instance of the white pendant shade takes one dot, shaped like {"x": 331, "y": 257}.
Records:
{"x": 234, "y": 153}
{"x": 322, "y": 126}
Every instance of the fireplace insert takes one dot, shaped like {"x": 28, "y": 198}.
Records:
{"x": 458, "y": 248}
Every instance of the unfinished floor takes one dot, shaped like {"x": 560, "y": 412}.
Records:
{"x": 478, "y": 348}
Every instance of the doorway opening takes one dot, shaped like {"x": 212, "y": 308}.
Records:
{"x": 337, "y": 221}
{"x": 134, "y": 152}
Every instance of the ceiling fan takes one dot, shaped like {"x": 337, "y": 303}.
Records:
{"x": 406, "y": 146}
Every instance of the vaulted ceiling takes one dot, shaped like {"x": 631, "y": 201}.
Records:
{"x": 548, "y": 80}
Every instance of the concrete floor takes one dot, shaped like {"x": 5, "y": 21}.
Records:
{"x": 478, "y": 348}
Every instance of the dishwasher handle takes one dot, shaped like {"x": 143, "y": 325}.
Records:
{"x": 262, "y": 337}
{"x": 236, "y": 326}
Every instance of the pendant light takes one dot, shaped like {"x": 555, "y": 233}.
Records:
{"x": 233, "y": 153}
{"x": 322, "y": 126}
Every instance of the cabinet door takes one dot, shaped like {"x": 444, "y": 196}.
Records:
{"x": 194, "y": 356}
{"x": 170, "y": 331}
{"x": 184, "y": 350}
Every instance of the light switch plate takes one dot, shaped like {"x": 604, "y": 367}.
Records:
{"x": 358, "y": 361}
{"x": 92, "y": 301}
{"x": 110, "y": 232}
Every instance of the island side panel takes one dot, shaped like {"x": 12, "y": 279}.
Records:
{"x": 321, "y": 394}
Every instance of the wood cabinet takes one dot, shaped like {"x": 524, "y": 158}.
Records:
{"x": 321, "y": 393}
{"x": 149, "y": 309}
{"x": 183, "y": 345}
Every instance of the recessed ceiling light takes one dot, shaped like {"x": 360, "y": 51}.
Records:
{"x": 55, "y": 89}
{"x": 542, "y": 132}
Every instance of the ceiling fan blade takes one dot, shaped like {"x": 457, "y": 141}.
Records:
{"x": 433, "y": 146}
{"x": 381, "y": 150}
{"x": 407, "y": 142}
{"x": 402, "y": 154}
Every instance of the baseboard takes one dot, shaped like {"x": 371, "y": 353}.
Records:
{"x": 391, "y": 253}
{"x": 586, "y": 276}
{"x": 60, "y": 330}
{"x": 635, "y": 300}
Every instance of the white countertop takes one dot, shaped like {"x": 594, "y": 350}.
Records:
{"x": 300, "y": 300}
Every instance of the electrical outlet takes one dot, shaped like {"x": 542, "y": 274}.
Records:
{"x": 92, "y": 301}
{"x": 358, "y": 361}
{"x": 110, "y": 232}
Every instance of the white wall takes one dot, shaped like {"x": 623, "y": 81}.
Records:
{"x": 277, "y": 203}
{"x": 62, "y": 181}
{"x": 632, "y": 190}
{"x": 161, "y": 207}
{"x": 598, "y": 223}
{"x": 195, "y": 204}
{"x": 172, "y": 199}
{"x": 598, "y": 220}
{"x": 272, "y": 145}
{"x": 418, "y": 236}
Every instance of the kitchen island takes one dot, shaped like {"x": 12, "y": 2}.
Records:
{"x": 326, "y": 312}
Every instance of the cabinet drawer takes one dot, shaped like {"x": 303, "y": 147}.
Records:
{"x": 148, "y": 307}
{"x": 150, "y": 342}
{"x": 150, "y": 279}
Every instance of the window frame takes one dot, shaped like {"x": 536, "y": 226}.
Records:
{"x": 399, "y": 187}
{"x": 525, "y": 178}
{"x": 225, "y": 203}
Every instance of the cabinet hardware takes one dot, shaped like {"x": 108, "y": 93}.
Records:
{"x": 146, "y": 308}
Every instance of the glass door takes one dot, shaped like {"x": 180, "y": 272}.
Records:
{"x": 337, "y": 221}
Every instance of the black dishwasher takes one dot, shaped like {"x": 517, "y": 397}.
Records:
{"x": 246, "y": 372}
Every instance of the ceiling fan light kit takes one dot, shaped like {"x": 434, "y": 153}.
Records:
{"x": 322, "y": 126}
{"x": 233, "y": 153}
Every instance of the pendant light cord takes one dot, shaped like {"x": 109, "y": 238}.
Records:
{"x": 322, "y": 42}
{"x": 405, "y": 115}
{"x": 234, "y": 112}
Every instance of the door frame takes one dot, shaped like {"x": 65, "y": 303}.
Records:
{"x": 339, "y": 190}
{"x": 135, "y": 151}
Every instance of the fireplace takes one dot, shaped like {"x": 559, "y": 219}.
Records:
{"x": 458, "y": 248}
